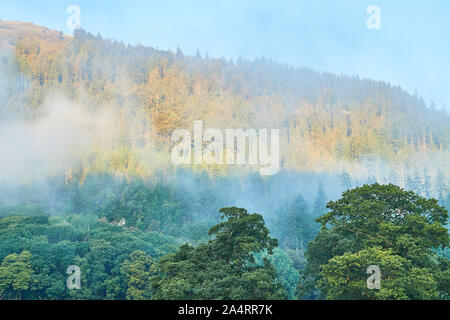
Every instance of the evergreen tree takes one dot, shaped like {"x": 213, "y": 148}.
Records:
{"x": 440, "y": 186}
{"x": 298, "y": 224}
{"x": 447, "y": 202}
{"x": 414, "y": 182}
{"x": 371, "y": 180}
{"x": 393, "y": 178}
{"x": 441, "y": 200}
{"x": 346, "y": 180}
{"x": 426, "y": 188}
{"x": 321, "y": 201}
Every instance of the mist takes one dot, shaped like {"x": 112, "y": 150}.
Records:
{"x": 51, "y": 144}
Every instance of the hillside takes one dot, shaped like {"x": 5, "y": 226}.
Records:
{"x": 12, "y": 31}
{"x": 326, "y": 121}
{"x": 89, "y": 188}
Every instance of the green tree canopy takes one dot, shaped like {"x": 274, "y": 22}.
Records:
{"x": 384, "y": 225}
{"x": 138, "y": 270}
{"x": 224, "y": 267}
{"x": 15, "y": 274}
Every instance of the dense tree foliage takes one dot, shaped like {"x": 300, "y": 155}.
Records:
{"x": 224, "y": 267}
{"x": 141, "y": 228}
{"x": 397, "y": 230}
{"x": 324, "y": 119}
{"x": 37, "y": 250}
{"x": 379, "y": 225}
{"x": 15, "y": 275}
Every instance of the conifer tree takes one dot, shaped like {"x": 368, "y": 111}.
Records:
{"x": 440, "y": 183}
{"x": 346, "y": 180}
{"x": 321, "y": 201}
{"x": 426, "y": 188}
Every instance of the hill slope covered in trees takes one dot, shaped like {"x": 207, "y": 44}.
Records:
{"x": 325, "y": 121}
{"x": 86, "y": 177}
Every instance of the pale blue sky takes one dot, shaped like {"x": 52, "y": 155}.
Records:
{"x": 411, "y": 49}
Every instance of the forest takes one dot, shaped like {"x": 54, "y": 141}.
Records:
{"x": 86, "y": 178}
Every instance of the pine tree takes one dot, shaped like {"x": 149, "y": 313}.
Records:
{"x": 447, "y": 202}
{"x": 441, "y": 199}
{"x": 440, "y": 184}
{"x": 297, "y": 224}
{"x": 393, "y": 178}
{"x": 346, "y": 180}
{"x": 426, "y": 188}
{"x": 371, "y": 180}
{"x": 414, "y": 182}
{"x": 321, "y": 201}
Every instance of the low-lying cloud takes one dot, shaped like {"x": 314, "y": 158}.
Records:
{"x": 50, "y": 144}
